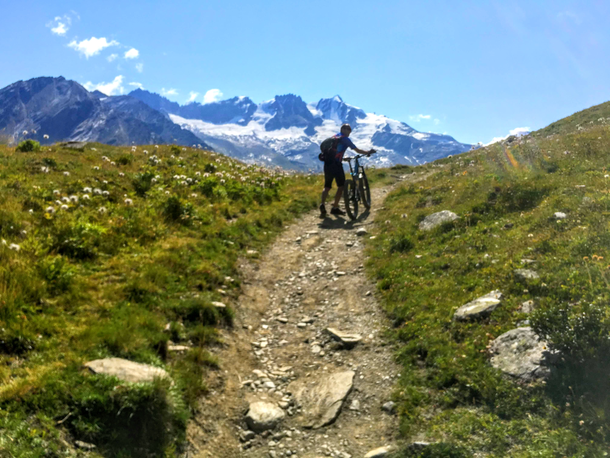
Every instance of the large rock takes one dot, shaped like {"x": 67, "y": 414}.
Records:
{"x": 479, "y": 308}
{"x": 347, "y": 339}
{"x": 263, "y": 416}
{"x": 520, "y": 354}
{"x": 126, "y": 370}
{"x": 436, "y": 219}
{"x": 321, "y": 400}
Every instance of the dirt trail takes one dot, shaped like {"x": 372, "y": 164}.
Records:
{"x": 310, "y": 279}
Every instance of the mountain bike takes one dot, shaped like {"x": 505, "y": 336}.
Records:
{"x": 357, "y": 189}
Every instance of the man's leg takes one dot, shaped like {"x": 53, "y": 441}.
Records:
{"x": 325, "y": 194}
{"x": 338, "y": 196}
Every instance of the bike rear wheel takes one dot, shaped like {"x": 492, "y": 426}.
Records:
{"x": 350, "y": 198}
{"x": 365, "y": 191}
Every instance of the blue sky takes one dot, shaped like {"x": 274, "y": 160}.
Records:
{"x": 472, "y": 69}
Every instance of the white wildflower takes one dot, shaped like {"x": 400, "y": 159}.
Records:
{"x": 64, "y": 207}
{"x": 97, "y": 191}
{"x": 74, "y": 199}
{"x": 56, "y": 192}
{"x": 45, "y": 136}
{"x": 197, "y": 173}
{"x": 85, "y": 196}
{"x": 113, "y": 163}
{"x": 14, "y": 247}
{"x": 86, "y": 189}
{"x": 193, "y": 195}
{"x": 128, "y": 202}
{"x": 50, "y": 210}
{"x": 105, "y": 193}
{"x": 95, "y": 167}
{"x": 121, "y": 174}
{"x": 65, "y": 199}
{"x": 102, "y": 210}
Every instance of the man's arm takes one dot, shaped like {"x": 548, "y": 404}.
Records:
{"x": 358, "y": 150}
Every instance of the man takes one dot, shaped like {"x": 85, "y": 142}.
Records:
{"x": 333, "y": 170}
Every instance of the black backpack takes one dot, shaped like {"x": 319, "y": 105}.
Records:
{"x": 329, "y": 148}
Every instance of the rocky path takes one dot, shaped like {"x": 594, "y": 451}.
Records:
{"x": 306, "y": 372}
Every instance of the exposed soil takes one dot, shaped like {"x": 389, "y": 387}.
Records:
{"x": 312, "y": 278}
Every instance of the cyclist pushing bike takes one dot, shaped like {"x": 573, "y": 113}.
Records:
{"x": 333, "y": 167}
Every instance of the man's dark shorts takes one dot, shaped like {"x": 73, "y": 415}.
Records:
{"x": 333, "y": 171}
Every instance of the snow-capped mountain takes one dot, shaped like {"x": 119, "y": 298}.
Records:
{"x": 287, "y": 131}
{"x": 56, "y": 109}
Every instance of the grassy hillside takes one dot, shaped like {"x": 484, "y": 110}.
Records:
{"x": 506, "y": 197}
{"x": 585, "y": 119}
{"x": 115, "y": 252}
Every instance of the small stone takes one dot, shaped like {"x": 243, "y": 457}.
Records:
{"x": 315, "y": 349}
{"x": 527, "y": 307}
{"x": 84, "y": 445}
{"x": 436, "y": 219}
{"x": 355, "y": 405}
{"x": 379, "y": 452}
{"x": 526, "y": 274}
{"x": 389, "y": 407}
{"x": 301, "y": 325}
{"x": 347, "y": 339}
{"x": 219, "y": 305}
{"x": 263, "y": 416}
{"x": 246, "y": 436}
{"x": 282, "y": 319}
{"x": 520, "y": 354}
{"x": 178, "y": 348}
{"x": 479, "y": 308}
{"x": 361, "y": 231}
{"x": 126, "y": 370}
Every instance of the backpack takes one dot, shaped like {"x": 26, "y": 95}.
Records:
{"x": 329, "y": 148}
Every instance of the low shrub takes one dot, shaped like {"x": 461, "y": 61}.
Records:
{"x": 28, "y": 146}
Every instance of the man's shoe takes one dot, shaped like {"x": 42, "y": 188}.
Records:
{"x": 337, "y": 211}
{"x": 322, "y": 210}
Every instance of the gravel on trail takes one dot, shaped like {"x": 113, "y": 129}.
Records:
{"x": 311, "y": 279}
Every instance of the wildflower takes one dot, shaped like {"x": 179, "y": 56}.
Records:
{"x": 105, "y": 158}
{"x": 197, "y": 174}
{"x": 128, "y": 202}
{"x": 105, "y": 193}
{"x": 65, "y": 199}
{"x": 183, "y": 149}
{"x": 154, "y": 180}
{"x": 30, "y": 211}
{"x": 97, "y": 191}
{"x": 102, "y": 210}
{"x": 121, "y": 174}
{"x": 86, "y": 189}
{"x": 25, "y": 132}
{"x": 74, "y": 199}
{"x": 113, "y": 163}
{"x": 156, "y": 146}
{"x": 95, "y": 167}
{"x": 85, "y": 196}
{"x": 193, "y": 195}
{"x": 222, "y": 181}
{"x": 145, "y": 151}
{"x": 56, "y": 192}
{"x": 93, "y": 149}
{"x": 45, "y": 136}
{"x": 14, "y": 246}
{"x": 64, "y": 207}
{"x": 167, "y": 193}
{"x": 105, "y": 182}
{"x": 50, "y": 210}
{"x": 206, "y": 175}
{"x": 58, "y": 202}
{"x": 3, "y": 242}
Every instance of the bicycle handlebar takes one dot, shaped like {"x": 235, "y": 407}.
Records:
{"x": 358, "y": 156}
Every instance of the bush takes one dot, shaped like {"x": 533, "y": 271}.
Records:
{"x": 176, "y": 210}
{"x": 28, "y": 146}
{"x": 125, "y": 159}
{"x": 142, "y": 183}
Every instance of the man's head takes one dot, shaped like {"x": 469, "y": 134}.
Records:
{"x": 346, "y": 129}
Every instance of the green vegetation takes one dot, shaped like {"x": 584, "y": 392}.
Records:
{"x": 582, "y": 120}
{"x": 27, "y": 146}
{"x": 116, "y": 252}
{"x": 506, "y": 196}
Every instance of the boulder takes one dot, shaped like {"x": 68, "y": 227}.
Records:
{"x": 263, "y": 416}
{"x": 436, "y": 219}
{"x": 528, "y": 307}
{"x": 347, "y": 339}
{"x": 526, "y": 274}
{"x": 479, "y": 308}
{"x": 126, "y": 370}
{"x": 321, "y": 400}
{"x": 520, "y": 354}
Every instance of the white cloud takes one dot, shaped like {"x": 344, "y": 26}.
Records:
{"x": 112, "y": 57}
{"x": 138, "y": 85}
{"x": 518, "y": 131}
{"x": 60, "y": 25}
{"x": 213, "y": 95}
{"x": 92, "y": 46}
{"x": 140, "y": 67}
{"x": 420, "y": 117}
{"x": 113, "y": 88}
{"x": 192, "y": 96}
{"x": 437, "y": 121}
{"x": 166, "y": 92}
{"x": 133, "y": 53}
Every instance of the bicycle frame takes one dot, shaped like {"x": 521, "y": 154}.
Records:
{"x": 357, "y": 172}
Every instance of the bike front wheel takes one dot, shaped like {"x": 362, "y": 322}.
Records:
{"x": 365, "y": 192}
{"x": 350, "y": 198}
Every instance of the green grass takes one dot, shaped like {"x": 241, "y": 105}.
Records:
{"x": 142, "y": 247}
{"x": 506, "y": 198}
{"x": 585, "y": 119}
